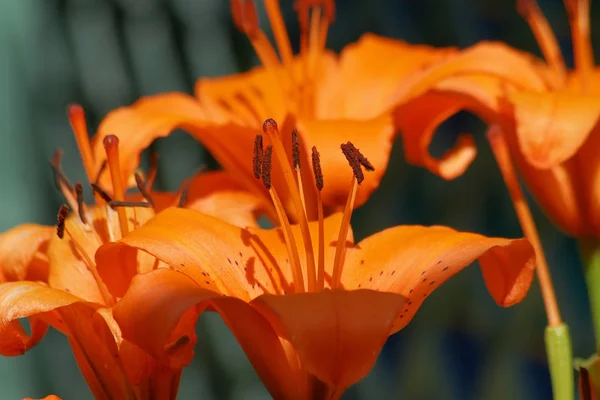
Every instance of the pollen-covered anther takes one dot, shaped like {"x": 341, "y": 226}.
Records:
{"x": 295, "y": 149}
{"x": 118, "y": 204}
{"x": 316, "y": 164}
{"x": 363, "y": 160}
{"x": 351, "y": 155}
{"x": 266, "y": 167}
{"x": 245, "y": 17}
{"x": 258, "y": 156}
{"x": 141, "y": 185}
{"x": 63, "y": 211}
{"x": 80, "y": 205}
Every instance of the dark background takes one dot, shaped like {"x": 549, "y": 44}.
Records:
{"x": 107, "y": 53}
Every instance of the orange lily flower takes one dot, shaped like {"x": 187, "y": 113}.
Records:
{"x": 535, "y": 103}
{"x": 49, "y": 275}
{"x": 316, "y": 91}
{"x": 311, "y": 326}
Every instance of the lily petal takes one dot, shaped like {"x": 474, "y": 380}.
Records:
{"x": 156, "y": 301}
{"x": 546, "y": 132}
{"x": 418, "y": 121}
{"x": 216, "y": 255}
{"x": 217, "y": 194}
{"x": 517, "y": 69}
{"x": 22, "y": 253}
{"x": 137, "y": 126}
{"x": 413, "y": 261}
{"x": 340, "y": 343}
{"x": 374, "y": 138}
{"x": 369, "y": 73}
{"x": 25, "y": 299}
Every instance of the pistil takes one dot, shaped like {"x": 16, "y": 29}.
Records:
{"x": 111, "y": 146}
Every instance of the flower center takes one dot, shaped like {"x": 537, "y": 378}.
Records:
{"x": 95, "y": 224}
{"x": 262, "y": 162}
{"x": 314, "y": 18}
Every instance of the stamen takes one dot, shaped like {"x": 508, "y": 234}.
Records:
{"x": 279, "y": 30}
{"x": 353, "y": 156}
{"x": 61, "y": 181}
{"x": 272, "y": 131}
{"x": 316, "y": 163}
{"x": 111, "y": 146}
{"x": 579, "y": 18}
{"x": 63, "y": 211}
{"x": 152, "y": 171}
{"x": 502, "y": 155}
{"x": 296, "y": 149}
{"x": 246, "y": 19}
{"x": 290, "y": 241}
{"x": 185, "y": 190}
{"x": 543, "y": 33}
{"x": 99, "y": 191}
{"x": 116, "y": 204}
{"x": 296, "y": 163}
{"x": 139, "y": 181}
{"x": 78, "y": 124}
{"x": 361, "y": 158}
{"x": 80, "y": 204}
{"x": 266, "y": 167}
{"x": 258, "y": 156}
{"x": 59, "y": 176}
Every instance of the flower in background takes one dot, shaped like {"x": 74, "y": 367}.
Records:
{"x": 312, "y": 320}
{"x": 328, "y": 98}
{"x": 49, "y": 274}
{"x": 549, "y": 115}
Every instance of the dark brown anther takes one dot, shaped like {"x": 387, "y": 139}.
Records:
{"x": 100, "y": 171}
{"x": 363, "y": 160}
{"x": 97, "y": 189}
{"x": 185, "y": 191}
{"x": 258, "y": 156}
{"x": 79, "y": 194}
{"x": 141, "y": 185}
{"x": 59, "y": 176}
{"x": 296, "y": 150}
{"x": 351, "y": 155}
{"x": 63, "y": 211}
{"x": 316, "y": 163}
{"x": 266, "y": 167}
{"x": 117, "y": 203}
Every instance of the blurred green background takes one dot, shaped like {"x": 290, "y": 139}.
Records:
{"x": 106, "y": 53}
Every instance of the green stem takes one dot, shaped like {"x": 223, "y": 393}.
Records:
{"x": 590, "y": 253}
{"x": 560, "y": 361}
